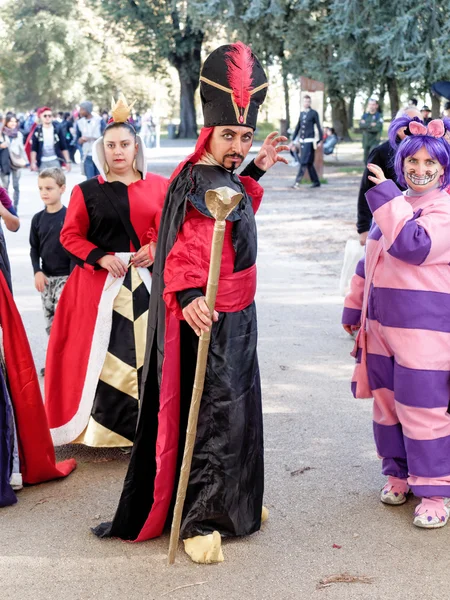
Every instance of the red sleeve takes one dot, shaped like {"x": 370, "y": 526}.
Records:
{"x": 74, "y": 232}
{"x": 162, "y": 184}
{"x": 5, "y": 199}
{"x": 149, "y": 236}
{"x": 254, "y": 190}
{"x": 187, "y": 264}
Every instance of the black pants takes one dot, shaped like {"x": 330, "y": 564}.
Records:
{"x": 307, "y": 162}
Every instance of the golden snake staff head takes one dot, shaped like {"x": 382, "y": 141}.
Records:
{"x": 222, "y": 201}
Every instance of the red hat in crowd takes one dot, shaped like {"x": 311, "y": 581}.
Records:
{"x": 42, "y": 110}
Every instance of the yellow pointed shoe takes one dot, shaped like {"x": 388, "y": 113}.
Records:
{"x": 204, "y": 549}
{"x": 264, "y": 514}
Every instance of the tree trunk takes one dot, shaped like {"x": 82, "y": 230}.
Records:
{"x": 382, "y": 95}
{"x": 351, "y": 110}
{"x": 286, "y": 97}
{"x": 186, "y": 59}
{"x": 394, "y": 98}
{"x": 369, "y": 96}
{"x": 188, "y": 120}
{"x": 435, "y": 107}
{"x": 339, "y": 116}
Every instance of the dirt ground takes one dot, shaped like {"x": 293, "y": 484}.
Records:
{"x": 322, "y": 474}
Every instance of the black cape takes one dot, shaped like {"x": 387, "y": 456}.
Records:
{"x": 383, "y": 156}
{"x": 226, "y": 484}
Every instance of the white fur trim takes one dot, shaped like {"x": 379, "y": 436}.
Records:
{"x": 100, "y": 341}
{"x": 98, "y": 156}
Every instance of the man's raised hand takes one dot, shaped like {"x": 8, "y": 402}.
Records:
{"x": 269, "y": 153}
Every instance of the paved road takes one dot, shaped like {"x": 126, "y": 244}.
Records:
{"x": 322, "y": 475}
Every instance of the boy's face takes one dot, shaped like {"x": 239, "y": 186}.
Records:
{"x": 50, "y": 191}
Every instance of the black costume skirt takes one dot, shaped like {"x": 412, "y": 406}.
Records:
{"x": 226, "y": 485}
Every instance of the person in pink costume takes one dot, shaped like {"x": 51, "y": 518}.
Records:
{"x": 400, "y": 303}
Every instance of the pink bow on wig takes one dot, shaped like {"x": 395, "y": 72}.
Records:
{"x": 436, "y": 128}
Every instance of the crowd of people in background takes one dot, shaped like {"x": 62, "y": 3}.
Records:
{"x": 49, "y": 143}
{"x": 43, "y": 138}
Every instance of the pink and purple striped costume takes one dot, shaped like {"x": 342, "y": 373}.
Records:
{"x": 401, "y": 295}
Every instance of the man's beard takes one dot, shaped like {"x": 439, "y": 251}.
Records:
{"x": 233, "y": 164}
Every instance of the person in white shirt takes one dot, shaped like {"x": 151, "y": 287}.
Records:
{"x": 13, "y": 157}
{"x": 89, "y": 128}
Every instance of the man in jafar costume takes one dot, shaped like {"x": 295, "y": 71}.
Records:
{"x": 226, "y": 483}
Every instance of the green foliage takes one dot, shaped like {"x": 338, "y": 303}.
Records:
{"x": 40, "y": 53}
{"x": 351, "y": 45}
{"x": 57, "y": 52}
{"x": 164, "y": 31}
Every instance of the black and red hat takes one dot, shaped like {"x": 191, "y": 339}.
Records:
{"x": 233, "y": 85}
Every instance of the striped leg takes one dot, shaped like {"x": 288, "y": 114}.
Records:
{"x": 422, "y": 392}
{"x": 387, "y": 428}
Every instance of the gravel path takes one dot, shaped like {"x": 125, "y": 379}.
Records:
{"x": 322, "y": 474}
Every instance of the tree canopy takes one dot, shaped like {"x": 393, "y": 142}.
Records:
{"x": 52, "y": 51}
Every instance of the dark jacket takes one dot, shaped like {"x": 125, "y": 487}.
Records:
{"x": 383, "y": 156}
{"x": 305, "y": 125}
{"x": 37, "y": 142}
{"x": 65, "y": 130}
{"x": 5, "y": 163}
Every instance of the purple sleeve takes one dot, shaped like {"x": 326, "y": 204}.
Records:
{"x": 380, "y": 194}
{"x": 407, "y": 239}
{"x": 351, "y": 316}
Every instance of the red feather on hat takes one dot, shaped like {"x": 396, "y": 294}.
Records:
{"x": 240, "y": 63}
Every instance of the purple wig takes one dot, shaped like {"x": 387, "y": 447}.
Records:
{"x": 437, "y": 148}
{"x": 396, "y": 124}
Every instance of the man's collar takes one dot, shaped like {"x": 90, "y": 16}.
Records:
{"x": 208, "y": 159}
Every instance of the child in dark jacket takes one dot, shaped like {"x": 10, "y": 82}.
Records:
{"x": 51, "y": 264}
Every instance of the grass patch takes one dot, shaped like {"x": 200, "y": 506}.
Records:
{"x": 353, "y": 170}
{"x": 263, "y": 129}
{"x": 321, "y": 179}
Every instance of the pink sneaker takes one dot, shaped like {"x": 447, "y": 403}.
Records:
{"x": 432, "y": 513}
{"x": 395, "y": 491}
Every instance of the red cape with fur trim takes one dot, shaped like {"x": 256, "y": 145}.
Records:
{"x": 37, "y": 455}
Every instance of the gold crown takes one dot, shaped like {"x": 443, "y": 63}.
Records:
{"x": 120, "y": 110}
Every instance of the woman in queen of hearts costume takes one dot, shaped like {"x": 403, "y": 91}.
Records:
{"x": 97, "y": 345}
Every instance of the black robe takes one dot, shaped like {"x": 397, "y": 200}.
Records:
{"x": 225, "y": 490}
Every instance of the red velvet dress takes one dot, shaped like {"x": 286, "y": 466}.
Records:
{"x": 97, "y": 344}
